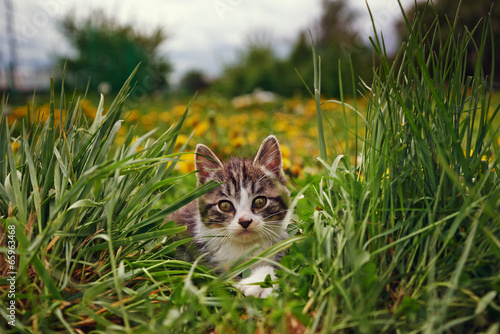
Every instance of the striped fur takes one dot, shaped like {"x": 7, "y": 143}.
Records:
{"x": 246, "y": 211}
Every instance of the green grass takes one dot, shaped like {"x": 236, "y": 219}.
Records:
{"x": 405, "y": 239}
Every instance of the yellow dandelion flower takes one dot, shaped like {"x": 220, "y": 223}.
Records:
{"x": 86, "y": 104}
{"x": 253, "y": 137}
{"x": 234, "y": 132}
{"x": 296, "y": 170}
{"x": 88, "y": 109}
{"x": 285, "y": 151}
{"x": 286, "y": 163}
{"x": 281, "y": 125}
{"x": 192, "y": 120}
{"x": 201, "y": 128}
{"x": 164, "y": 116}
{"x": 11, "y": 119}
{"x": 121, "y": 131}
{"x": 15, "y": 146}
{"x": 20, "y": 111}
{"x": 133, "y": 115}
{"x": 181, "y": 140}
{"x": 186, "y": 164}
{"x": 149, "y": 120}
{"x": 238, "y": 141}
{"x": 179, "y": 110}
{"x": 386, "y": 174}
{"x": 485, "y": 158}
{"x": 294, "y": 132}
{"x": 360, "y": 176}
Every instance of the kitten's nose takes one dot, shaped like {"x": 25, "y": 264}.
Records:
{"x": 244, "y": 223}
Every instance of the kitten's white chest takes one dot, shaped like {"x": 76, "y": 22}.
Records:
{"x": 231, "y": 251}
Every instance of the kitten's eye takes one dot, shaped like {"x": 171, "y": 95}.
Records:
{"x": 226, "y": 206}
{"x": 259, "y": 202}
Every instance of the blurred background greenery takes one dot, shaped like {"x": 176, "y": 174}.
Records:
{"x": 104, "y": 51}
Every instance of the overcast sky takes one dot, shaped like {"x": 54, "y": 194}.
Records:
{"x": 205, "y": 34}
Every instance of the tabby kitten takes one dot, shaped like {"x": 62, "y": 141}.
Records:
{"x": 248, "y": 209}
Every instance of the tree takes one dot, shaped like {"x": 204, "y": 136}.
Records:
{"x": 335, "y": 25}
{"x": 337, "y": 39}
{"x": 193, "y": 81}
{"x": 108, "y": 52}
{"x": 257, "y": 67}
{"x": 469, "y": 14}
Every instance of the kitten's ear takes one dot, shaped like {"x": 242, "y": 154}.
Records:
{"x": 269, "y": 156}
{"x": 206, "y": 163}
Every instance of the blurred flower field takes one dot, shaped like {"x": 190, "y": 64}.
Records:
{"x": 231, "y": 130}
{"x": 237, "y": 130}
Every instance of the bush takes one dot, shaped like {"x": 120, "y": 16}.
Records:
{"x": 107, "y": 52}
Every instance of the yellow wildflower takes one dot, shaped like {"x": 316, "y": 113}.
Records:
{"x": 20, "y": 112}
{"x": 286, "y": 163}
{"x": 181, "y": 140}
{"x": 15, "y": 146}
{"x": 238, "y": 141}
{"x": 201, "y": 128}
{"x": 253, "y": 137}
{"x": 179, "y": 110}
{"x": 164, "y": 117}
{"x": 285, "y": 151}
{"x": 185, "y": 164}
{"x": 88, "y": 109}
{"x": 134, "y": 115}
{"x": 296, "y": 170}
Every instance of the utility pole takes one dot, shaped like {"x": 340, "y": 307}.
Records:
{"x": 9, "y": 13}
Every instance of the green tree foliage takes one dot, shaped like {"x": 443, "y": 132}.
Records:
{"x": 335, "y": 37}
{"x": 108, "y": 51}
{"x": 258, "y": 66}
{"x": 193, "y": 81}
{"x": 467, "y": 16}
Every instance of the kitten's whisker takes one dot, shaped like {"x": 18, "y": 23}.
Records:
{"x": 267, "y": 229}
{"x": 271, "y": 236}
{"x": 216, "y": 243}
{"x": 268, "y": 236}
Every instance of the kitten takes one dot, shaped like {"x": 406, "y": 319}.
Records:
{"x": 248, "y": 209}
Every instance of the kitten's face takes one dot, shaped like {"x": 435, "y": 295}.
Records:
{"x": 252, "y": 201}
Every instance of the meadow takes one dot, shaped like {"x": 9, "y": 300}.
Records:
{"x": 228, "y": 128}
{"x": 396, "y": 194}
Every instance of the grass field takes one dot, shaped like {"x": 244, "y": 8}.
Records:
{"x": 396, "y": 225}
